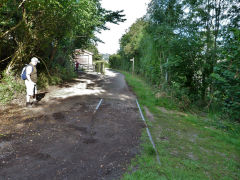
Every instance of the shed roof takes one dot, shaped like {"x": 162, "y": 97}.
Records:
{"x": 80, "y": 51}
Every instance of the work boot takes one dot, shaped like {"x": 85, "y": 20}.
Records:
{"x": 28, "y": 104}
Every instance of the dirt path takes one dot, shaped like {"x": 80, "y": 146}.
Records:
{"x": 63, "y": 139}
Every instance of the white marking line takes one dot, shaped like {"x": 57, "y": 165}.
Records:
{"x": 98, "y": 105}
{"x": 92, "y": 118}
{"x": 148, "y": 132}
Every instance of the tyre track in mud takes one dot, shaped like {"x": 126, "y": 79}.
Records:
{"x": 71, "y": 140}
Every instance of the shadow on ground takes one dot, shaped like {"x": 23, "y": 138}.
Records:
{"x": 64, "y": 139}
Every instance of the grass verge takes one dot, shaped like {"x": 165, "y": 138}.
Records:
{"x": 190, "y": 146}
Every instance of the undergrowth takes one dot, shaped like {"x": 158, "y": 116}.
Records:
{"x": 11, "y": 85}
{"x": 58, "y": 74}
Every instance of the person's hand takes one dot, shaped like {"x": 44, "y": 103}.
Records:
{"x": 33, "y": 83}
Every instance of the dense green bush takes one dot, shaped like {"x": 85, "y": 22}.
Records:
{"x": 10, "y": 87}
{"x": 226, "y": 77}
{"x": 61, "y": 69}
{"x": 115, "y": 61}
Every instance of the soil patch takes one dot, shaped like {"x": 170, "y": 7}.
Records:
{"x": 163, "y": 110}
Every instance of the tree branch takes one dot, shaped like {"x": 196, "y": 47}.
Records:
{"x": 44, "y": 65}
{"x": 5, "y": 59}
{"x": 21, "y": 3}
{"x": 13, "y": 28}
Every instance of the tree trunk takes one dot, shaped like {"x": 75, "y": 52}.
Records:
{"x": 54, "y": 51}
{"x": 11, "y": 63}
{"x": 207, "y": 62}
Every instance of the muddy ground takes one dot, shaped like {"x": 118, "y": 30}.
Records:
{"x": 62, "y": 137}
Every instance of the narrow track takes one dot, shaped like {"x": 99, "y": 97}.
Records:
{"x": 69, "y": 138}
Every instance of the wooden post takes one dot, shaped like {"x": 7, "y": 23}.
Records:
{"x": 88, "y": 62}
{"x": 103, "y": 68}
{"x": 132, "y": 65}
{"x": 166, "y": 76}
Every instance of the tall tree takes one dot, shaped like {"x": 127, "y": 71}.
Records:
{"x": 42, "y": 27}
{"x": 191, "y": 46}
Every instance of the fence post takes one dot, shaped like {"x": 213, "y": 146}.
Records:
{"x": 132, "y": 65}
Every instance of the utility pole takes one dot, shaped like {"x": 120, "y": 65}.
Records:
{"x": 132, "y": 65}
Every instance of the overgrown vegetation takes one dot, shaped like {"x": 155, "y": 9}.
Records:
{"x": 190, "y": 146}
{"x": 50, "y": 30}
{"x": 191, "y": 48}
{"x": 10, "y": 88}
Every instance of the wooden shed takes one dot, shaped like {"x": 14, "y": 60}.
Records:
{"x": 84, "y": 58}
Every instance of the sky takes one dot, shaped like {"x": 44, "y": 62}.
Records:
{"x": 133, "y": 9}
